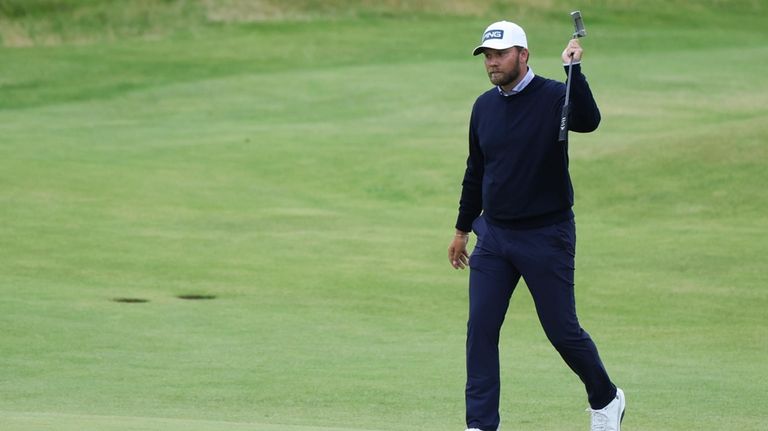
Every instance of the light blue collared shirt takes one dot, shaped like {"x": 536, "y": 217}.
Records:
{"x": 520, "y": 85}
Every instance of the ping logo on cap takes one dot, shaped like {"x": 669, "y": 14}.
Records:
{"x": 493, "y": 34}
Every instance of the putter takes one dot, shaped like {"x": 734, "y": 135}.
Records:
{"x": 578, "y": 24}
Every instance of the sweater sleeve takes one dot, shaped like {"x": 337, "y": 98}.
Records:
{"x": 471, "y": 202}
{"x": 584, "y": 116}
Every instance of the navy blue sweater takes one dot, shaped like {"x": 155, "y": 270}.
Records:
{"x": 517, "y": 171}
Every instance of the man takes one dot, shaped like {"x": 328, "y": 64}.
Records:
{"x": 517, "y": 198}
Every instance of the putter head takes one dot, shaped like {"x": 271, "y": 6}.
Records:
{"x": 578, "y": 25}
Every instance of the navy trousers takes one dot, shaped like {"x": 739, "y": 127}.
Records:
{"x": 544, "y": 257}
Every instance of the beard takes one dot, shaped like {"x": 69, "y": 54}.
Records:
{"x": 503, "y": 79}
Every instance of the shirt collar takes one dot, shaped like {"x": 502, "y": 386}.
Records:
{"x": 520, "y": 85}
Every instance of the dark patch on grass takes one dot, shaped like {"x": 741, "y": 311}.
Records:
{"x": 196, "y": 297}
{"x": 131, "y": 300}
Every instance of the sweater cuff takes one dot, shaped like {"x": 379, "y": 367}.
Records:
{"x": 464, "y": 222}
{"x": 576, "y": 69}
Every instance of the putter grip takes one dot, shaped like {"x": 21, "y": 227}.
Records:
{"x": 563, "y": 125}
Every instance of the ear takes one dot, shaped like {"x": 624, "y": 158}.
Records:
{"x": 524, "y": 54}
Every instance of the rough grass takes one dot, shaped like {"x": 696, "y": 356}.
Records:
{"x": 56, "y": 22}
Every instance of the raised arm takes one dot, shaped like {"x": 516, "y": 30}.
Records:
{"x": 584, "y": 115}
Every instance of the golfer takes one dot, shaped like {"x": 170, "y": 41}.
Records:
{"x": 517, "y": 198}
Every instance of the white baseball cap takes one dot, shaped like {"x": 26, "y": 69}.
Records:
{"x": 502, "y": 35}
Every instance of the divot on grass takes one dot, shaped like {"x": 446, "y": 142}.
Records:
{"x": 196, "y": 297}
{"x": 130, "y": 300}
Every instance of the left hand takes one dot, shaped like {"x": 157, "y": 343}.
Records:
{"x": 573, "y": 49}
{"x": 457, "y": 251}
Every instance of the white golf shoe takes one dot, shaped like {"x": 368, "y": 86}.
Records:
{"x": 478, "y": 429}
{"x": 609, "y": 417}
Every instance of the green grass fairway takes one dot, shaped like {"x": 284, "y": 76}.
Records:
{"x": 63, "y": 422}
{"x": 303, "y": 166}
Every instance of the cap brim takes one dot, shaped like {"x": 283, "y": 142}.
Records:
{"x": 492, "y": 44}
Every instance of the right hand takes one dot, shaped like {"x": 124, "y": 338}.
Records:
{"x": 573, "y": 51}
{"x": 457, "y": 251}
